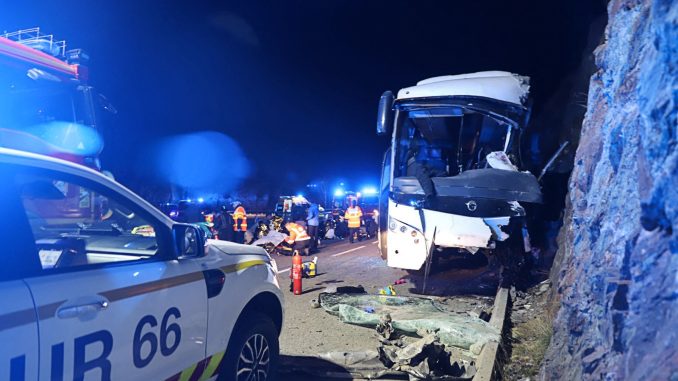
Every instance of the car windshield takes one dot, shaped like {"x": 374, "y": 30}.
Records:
{"x": 447, "y": 140}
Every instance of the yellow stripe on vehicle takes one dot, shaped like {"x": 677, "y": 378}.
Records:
{"x": 187, "y": 373}
{"x": 212, "y": 366}
{"x": 242, "y": 265}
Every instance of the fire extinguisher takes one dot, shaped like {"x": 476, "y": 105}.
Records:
{"x": 295, "y": 274}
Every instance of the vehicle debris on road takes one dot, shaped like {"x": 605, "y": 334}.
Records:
{"x": 388, "y": 290}
{"x": 425, "y": 358}
{"x": 410, "y": 316}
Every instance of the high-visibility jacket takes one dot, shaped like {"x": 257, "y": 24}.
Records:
{"x": 353, "y": 215}
{"x": 239, "y": 219}
{"x": 297, "y": 233}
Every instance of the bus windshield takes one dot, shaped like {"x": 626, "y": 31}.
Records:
{"x": 446, "y": 140}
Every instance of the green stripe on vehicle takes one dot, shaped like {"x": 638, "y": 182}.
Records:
{"x": 187, "y": 373}
{"x": 212, "y": 366}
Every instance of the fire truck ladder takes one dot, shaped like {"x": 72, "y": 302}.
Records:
{"x": 39, "y": 41}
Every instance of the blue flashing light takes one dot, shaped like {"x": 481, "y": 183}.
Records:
{"x": 201, "y": 200}
{"x": 369, "y": 190}
{"x": 174, "y": 159}
{"x": 189, "y": 200}
{"x": 339, "y": 192}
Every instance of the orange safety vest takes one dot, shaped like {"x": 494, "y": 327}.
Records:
{"x": 297, "y": 233}
{"x": 353, "y": 216}
{"x": 239, "y": 219}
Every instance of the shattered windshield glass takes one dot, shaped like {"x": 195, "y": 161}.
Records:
{"x": 447, "y": 140}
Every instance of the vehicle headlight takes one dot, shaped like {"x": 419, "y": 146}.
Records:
{"x": 392, "y": 225}
{"x": 274, "y": 265}
{"x": 396, "y": 226}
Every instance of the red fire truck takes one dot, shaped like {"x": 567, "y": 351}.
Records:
{"x": 48, "y": 107}
{"x": 46, "y": 103}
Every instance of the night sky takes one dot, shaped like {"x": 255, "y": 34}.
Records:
{"x": 295, "y": 82}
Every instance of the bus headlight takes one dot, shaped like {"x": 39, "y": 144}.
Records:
{"x": 392, "y": 225}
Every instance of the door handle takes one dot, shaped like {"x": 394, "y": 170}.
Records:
{"x": 81, "y": 309}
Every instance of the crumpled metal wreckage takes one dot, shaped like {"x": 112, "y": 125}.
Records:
{"x": 416, "y": 336}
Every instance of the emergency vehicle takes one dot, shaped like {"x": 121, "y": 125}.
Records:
{"x": 47, "y": 105}
{"x": 367, "y": 200}
{"x": 292, "y": 208}
{"x": 123, "y": 292}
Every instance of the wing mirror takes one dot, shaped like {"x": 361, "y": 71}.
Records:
{"x": 189, "y": 241}
{"x": 385, "y": 113}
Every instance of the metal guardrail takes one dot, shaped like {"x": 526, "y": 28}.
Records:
{"x": 486, "y": 364}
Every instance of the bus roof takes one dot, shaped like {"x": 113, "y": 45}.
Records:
{"x": 500, "y": 85}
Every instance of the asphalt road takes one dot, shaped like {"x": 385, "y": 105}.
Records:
{"x": 308, "y": 332}
{"x": 345, "y": 264}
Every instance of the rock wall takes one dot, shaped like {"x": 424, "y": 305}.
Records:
{"x": 617, "y": 266}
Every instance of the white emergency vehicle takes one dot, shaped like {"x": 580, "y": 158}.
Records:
{"x": 102, "y": 286}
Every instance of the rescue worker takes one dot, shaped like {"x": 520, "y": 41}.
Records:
{"x": 298, "y": 238}
{"x": 239, "y": 222}
{"x": 223, "y": 223}
{"x": 312, "y": 221}
{"x": 353, "y": 215}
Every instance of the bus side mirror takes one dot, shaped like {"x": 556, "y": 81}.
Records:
{"x": 385, "y": 113}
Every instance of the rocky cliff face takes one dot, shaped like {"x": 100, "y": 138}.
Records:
{"x": 617, "y": 266}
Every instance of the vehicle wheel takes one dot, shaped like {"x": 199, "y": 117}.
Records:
{"x": 253, "y": 350}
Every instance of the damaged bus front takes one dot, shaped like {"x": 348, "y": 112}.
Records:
{"x": 452, "y": 180}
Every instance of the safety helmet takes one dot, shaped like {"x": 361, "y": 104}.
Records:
{"x": 236, "y": 204}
